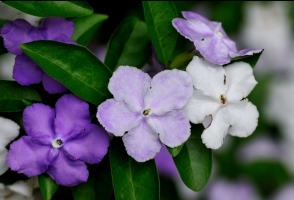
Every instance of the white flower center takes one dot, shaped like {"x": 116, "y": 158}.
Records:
{"x": 219, "y": 34}
{"x": 146, "y": 112}
{"x": 57, "y": 143}
{"x": 223, "y": 100}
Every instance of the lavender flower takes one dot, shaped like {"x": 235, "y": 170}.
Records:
{"x": 58, "y": 142}
{"x": 209, "y": 38}
{"x": 26, "y": 71}
{"x": 148, "y": 110}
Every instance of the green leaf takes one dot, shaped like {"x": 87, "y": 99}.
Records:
{"x": 251, "y": 60}
{"x": 159, "y": 16}
{"x": 52, "y": 8}
{"x": 182, "y": 60}
{"x": 47, "y": 186}
{"x": 131, "y": 179}
{"x": 84, "y": 190}
{"x": 85, "y": 27}
{"x": 194, "y": 162}
{"x": 2, "y": 48}
{"x": 14, "y": 97}
{"x": 129, "y": 44}
{"x": 175, "y": 151}
{"x": 74, "y": 66}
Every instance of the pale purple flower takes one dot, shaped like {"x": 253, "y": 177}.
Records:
{"x": 148, "y": 110}
{"x": 221, "y": 93}
{"x": 26, "y": 71}
{"x": 209, "y": 38}
{"x": 59, "y": 141}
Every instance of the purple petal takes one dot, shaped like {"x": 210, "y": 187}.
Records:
{"x": 57, "y": 29}
{"x": 195, "y": 16}
{"x": 27, "y": 156}
{"x": 26, "y": 71}
{"x": 51, "y": 85}
{"x": 117, "y": 118}
{"x": 90, "y": 146}
{"x": 68, "y": 172}
{"x": 173, "y": 127}
{"x": 129, "y": 84}
{"x": 170, "y": 89}
{"x": 142, "y": 143}
{"x": 17, "y": 32}
{"x": 72, "y": 116}
{"x": 246, "y": 52}
{"x": 38, "y": 121}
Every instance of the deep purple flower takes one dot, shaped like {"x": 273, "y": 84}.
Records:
{"x": 26, "y": 71}
{"x": 149, "y": 110}
{"x": 58, "y": 142}
{"x": 209, "y": 38}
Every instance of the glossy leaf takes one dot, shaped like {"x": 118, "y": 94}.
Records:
{"x": 47, "y": 186}
{"x": 131, "y": 179}
{"x": 84, "y": 190}
{"x": 85, "y": 27}
{"x": 14, "y": 97}
{"x": 194, "y": 162}
{"x": 52, "y": 8}
{"x": 159, "y": 16}
{"x": 2, "y": 48}
{"x": 251, "y": 60}
{"x": 175, "y": 151}
{"x": 129, "y": 44}
{"x": 74, "y": 66}
{"x": 182, "y": 60}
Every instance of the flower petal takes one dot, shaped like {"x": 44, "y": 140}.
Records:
{"x": 240, "y": 80}
{"x": 170, "y": 89}
{"x": 90, "y": 146}
{"x": 54, "y": 28}
{"x": 199, "y": 106}
{"x": 207, "y": 77}
{"x": 9, "y": 130}
{"x": 68, "y": 172}
{"x": 213, "y": 136}
{"x": 17, "y": 32}
{"x": 129, "y": 84}
{"x": 72, "y": 116}
{"x": 26, "y": 71}
{"x": 195, "y": 16}
{"x": 3, "y": 166}
{"x": 51, "y": 85}
{"x": 38, "y": 121}
{"x": 243, "y": 117}
{"x": 27, "y": 156}
{"x": 142, "y": 143}
{"x": 117, "y": 118}
{"x": 173, "y": 127}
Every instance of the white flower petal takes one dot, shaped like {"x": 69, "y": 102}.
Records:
{"x": 213, "y": 136}
{"x": 243, "y": 117}
{"x": 199, "y": 106}
{"x": 24, "y": 188}
{"x": 9, "y": 130}
{"x": 240, "y": 80}
{"x": 3, "y": 166}
{"x": 207, "y": 77}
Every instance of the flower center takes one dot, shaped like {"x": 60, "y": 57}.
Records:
{"x": 223, "y": 99}
{"x": 57, "y": 143}
{"x": 146, "y": 112}
{"x": 219, "y": 34}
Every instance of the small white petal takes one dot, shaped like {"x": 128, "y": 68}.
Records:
{"x": 3, "y": 166}
{"x": 243, "y": 117}
{"x": 240, "y": 80}
{"x": 207, "y": 77}
{"x": 9, "y": 130}
{"x": 24, "y": 188}
{"x": 213, "y": 136}
{"x": 199, "y": 106}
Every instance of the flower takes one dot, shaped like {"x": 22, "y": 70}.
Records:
{"x": 9, "y": 130}
{"x": 148, "y": 110}
{"x": 209, "y": 38}
{"x": 220, "y": 92}
{"x": 58, "y": 142}
{"x": 26, "y": 71}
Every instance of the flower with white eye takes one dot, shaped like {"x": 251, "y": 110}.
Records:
{"x": 220, "y": 92}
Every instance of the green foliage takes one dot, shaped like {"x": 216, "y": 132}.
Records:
{"x": 47, "y": 186}
{"x": 175, "y": 151}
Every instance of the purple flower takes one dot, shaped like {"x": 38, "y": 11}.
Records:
{"x": 209, "y": 38}
{"x": 26, "y": 71}
{"x": 58, "y": 142}
{"x": 148, "y": 110}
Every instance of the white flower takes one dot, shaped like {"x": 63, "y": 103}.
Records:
{"x": 9, "y": 130}
{"x": 220, "y": 92}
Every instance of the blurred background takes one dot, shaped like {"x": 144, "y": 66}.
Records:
{"x": 262, "y": 165}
